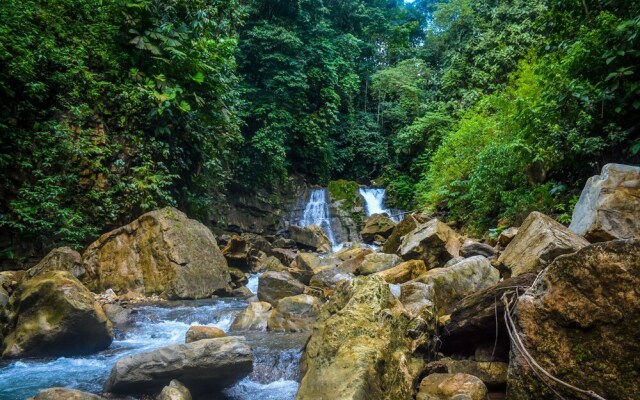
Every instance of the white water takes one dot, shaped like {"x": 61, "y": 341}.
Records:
{"x": 276, "y": 356}
{"x": 374, "y": 202}
{"x": 316, "y": 212}
{"x": 252, "y": 284}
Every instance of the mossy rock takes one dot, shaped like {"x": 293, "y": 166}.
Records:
{"x": 346, "y": 192}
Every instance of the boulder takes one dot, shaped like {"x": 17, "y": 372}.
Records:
{"x": 452, "y": 387}
{"x": 254, "y": 317}
{"x": 307, "y": 264}
{"x": 492, "y": 374}
{"x": 433, "y": 242}
{"x": 117, "y": 314}
{"x": 294, "y": 314}
{"x": 450, "y": 285}
{"x": 53, "y": 314}
{"x": 579, "y": 321}
{"x": 539, "y": 241}
{"x": 329, "y": 277}
{"x": 353, "y": 258}
{"x": 417, "y": 299}
{"x": 377, "y": 225}
{"x": 196, "y": 332}
{"x": 312, "y": 237}
{"x": 269, "y": 263}
{"x": 204, "y": 366}
{"x": 237, "y": 252}
{"x": 408, "y": 223}
{"x": 175, "y": 391}
{"x": 473, "y": 321}
{"x": 60, "y": 259}
{"x": 286, "y": 256}
{"x": 4, "y": 297}
{"x": 471, "y": 248}
{"x": 273, "y": 286}
{"x": 285, "y": 243}
{"x": 609, "y": 206}
{"x": 403, "y": 272}
{"x": 164, "y": 253}
{"x": 506, "y": 236}
{"x": 59, "y": 393}
{"x": 358, "y": 349}
{"x": 376, "y": 262}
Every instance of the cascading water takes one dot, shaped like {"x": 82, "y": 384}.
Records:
{"x": 276, "y": 355}
{"x": 316, "y": 212}
{"x": 374, "y": 202}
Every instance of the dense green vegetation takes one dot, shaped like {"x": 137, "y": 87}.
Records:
{"x": 481, "y": 110}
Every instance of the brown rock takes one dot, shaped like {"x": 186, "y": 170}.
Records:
{"x": 58, "y": 393}
{"x": 471, "y": 248}
{"x": 60, "y": 259}
{"x": 294, "y": 314}
{"x": 403, "y": 272}
{"x": 238, "y": 253}
{"x": 492, "y": 374}
{"x": 196, "y": 333}
{"x": 408, "y": 224}
{"x": 539, "y": 241}
{"x": 376, "y": 262}
{"x": 162, "y": 252}
{"x": 377, "y": 225}
{"x": 452, "y": 386}
{"x": 175, "y": 391}
{"x": 433, "y": 242}
{"x": 273, "y": 286}
{"x": 506, "y": 236}
{"x": 312, "y": 237}
{"x": 579, "y": 321}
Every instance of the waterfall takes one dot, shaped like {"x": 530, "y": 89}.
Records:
{"x": 374, "y": 202}
{"x": 316, "y": 212}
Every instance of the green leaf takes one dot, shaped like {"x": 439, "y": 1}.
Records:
{"x": 198, "y": 77}
{"x": 184, "y": 106}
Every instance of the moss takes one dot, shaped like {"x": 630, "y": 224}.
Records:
{"x": 345, "y": 191}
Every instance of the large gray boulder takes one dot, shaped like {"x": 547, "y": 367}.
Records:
{"x": 433, "y": 242}
{"x": 580, "y": 322}
{"x": 609, "y": 206}
{"x": 358, "y": 349}
{"x": 203, "y": 366}
{"x": 539, "y": 241}
{"x": 164, "y": 253}
{"x": 53, "y": 314}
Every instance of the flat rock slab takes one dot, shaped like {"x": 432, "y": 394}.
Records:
{"x": 204, "y": 366}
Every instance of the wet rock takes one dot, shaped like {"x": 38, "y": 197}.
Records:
{"x": 579, "y": 321}
{"x": 117, "y": 314}
{"x": 273, "y": 286}
{"x": 473, "y": 321}
{"x": 358, "y": 348}
{"x": 60, "y": 259}
{"x": 377, "y": 225}
{"x": 204, "y": 366}
{"x": 377, "y": 262}
{"x": 58, "y": 393}
{"x": 452, "y": 387}
{"x": 312, "y": 237}
{"x": 433, "y": 242}
{"x": 294, "y": 314}
{"x": 242, "y": 292}
{"x": 53, "y": 314}
{"x": 254, "y": 317}
{"x": 403, "y": 272}
{"x": 162, "y": 252}
{"x": 175, "y": 391}
{"x": 609, "y": 206}
{"x": 407, "y": 224}
{"x": 197, "y": 332}
{"x": 472, "y": 248}
{"x": 506, "y": 236}
{"x": 539, "y": 241}
{"x": 458, "y": 281}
